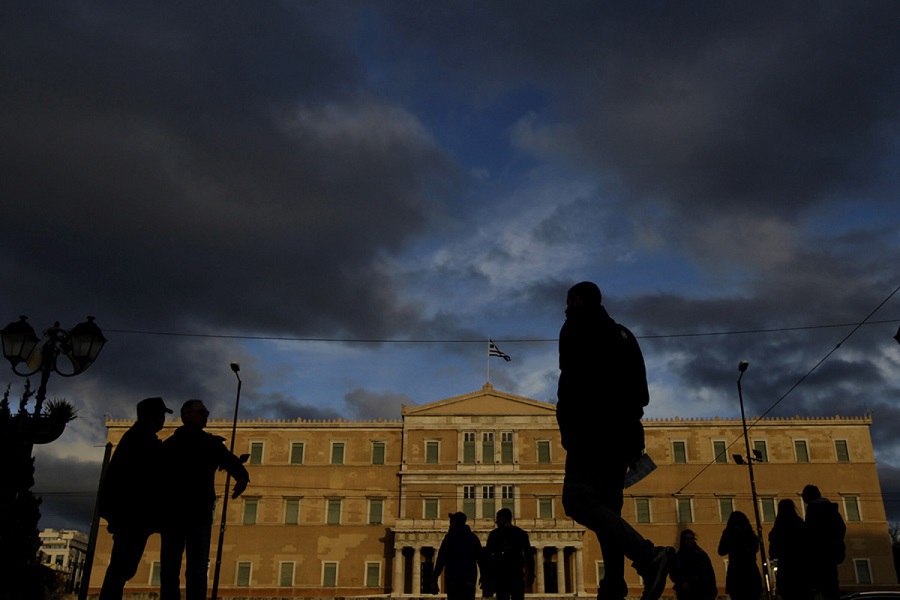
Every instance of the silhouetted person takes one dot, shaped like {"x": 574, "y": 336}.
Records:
{"x": 789, "y": 543}
{"x": 740, "y": 544}
{"x": 826, "y": 532}
{"x": 509, "y": 560}
{"x": 459, "y": 554}
{"x": 129, "y": 498}
{"x": 192, "y": 457}
{"x": 602, "y": 394}
{"x": 692, "y": 571}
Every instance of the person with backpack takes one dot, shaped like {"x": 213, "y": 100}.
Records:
{"x": 601, "y": 398}
{"x": 826, "y": 541}
{"x": 509, "y": 559}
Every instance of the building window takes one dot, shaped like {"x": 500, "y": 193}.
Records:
{"x": 863, "y": 570}
{"x": 468, "y": 506}
{"x": 337, "y": 453}
{"x": 801, "y": 451}
{"x": 851, "y": 508}
{"x": 376, "y": 511}
{"x": 679, "y": 452}
{"x": 329, "y": 574}
{"x": 841, "y": 450}
{"x": 286, "y": 574}
{"x": 256, "y": 453}
{"x": 378, "y": 453}
{"x": 487, "y": 502}
{"x": 154, "y": 573}
{"x": 545, "y": 508}
{"x": 767, "y": 505}
{"x": 685, "y": 510}
{"x": 726, "y": 507}
{"x": 507, "y": 498}
{"x": 430, "y": 508}
{"x": 601, "y": 570}
{"x": 251, "y": 506}
{"x": 760, "y": 451}
{"x": 468, "y": 448}
{"x": 642, "y": 510}
{"x": 333, "y": 511}
{"x": 487, "y": 447}
{"x": 432, "y": 452}
{"x": 292, "y": 511}
{"x": 543, "y": 452}
{"x": 244, "y": 569}
{"x": 506, "y": 447}
{"x": 373, "y": 574}
{"x": 297, "y": 453}
{"x": 720, "y": 451}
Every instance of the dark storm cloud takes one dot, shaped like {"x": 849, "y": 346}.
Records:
{"x": 187, "y": 172}
{"x": 365, "y": 404}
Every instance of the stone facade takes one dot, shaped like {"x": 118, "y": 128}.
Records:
{"x": 339, "y": 508}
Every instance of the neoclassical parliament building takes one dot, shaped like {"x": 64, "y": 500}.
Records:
{"x": 346, "y": 508}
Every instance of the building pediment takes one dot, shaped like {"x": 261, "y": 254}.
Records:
{"x": 486, "y": 401}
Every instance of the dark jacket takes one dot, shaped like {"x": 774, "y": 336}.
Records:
{"x": 602, "y": 388}
{"x": 693, "y": 575}
{"x": 191, "y": 458}
{"x": 508, "y": 558}
{"x": 789, "y": 544}
{"x": 130, "y": 494}
{"x": 459, "y": 553}
{"x": 742, "y": 577}
{"x": 826, "y": 531}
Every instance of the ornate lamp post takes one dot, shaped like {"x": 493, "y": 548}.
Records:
{"x": 21, "y": 430}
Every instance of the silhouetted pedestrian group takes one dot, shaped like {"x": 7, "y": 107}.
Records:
{"x": 164, "y": 486}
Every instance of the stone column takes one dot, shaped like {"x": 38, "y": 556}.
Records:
{"x": 539, "y": 567}
{"x": 397, "y": 583}
{"x": 417, "y": 571}
{"x": 561, "y": 569}
{"x": 579, "y": 571}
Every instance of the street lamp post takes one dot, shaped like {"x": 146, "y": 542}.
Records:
{"x": 742, "y": 367}
{"x": 20, "y": 431}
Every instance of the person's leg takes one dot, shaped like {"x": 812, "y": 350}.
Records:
{"x": 197, "y": 562}
{"x": 170, "y": 554}
{"x": 128, "y": 548}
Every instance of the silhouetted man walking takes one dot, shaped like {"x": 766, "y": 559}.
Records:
{"x": 192, "y": 457}
{"x": 602, "y": 394}
{"x": 509, "y": 563}
{"x": 129, "y": 500}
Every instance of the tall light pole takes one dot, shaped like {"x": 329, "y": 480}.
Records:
{"x": 236, "y": 367}
{"x": 742, "y": 368}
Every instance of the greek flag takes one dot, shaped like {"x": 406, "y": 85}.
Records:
{"x": 493, "y": 350}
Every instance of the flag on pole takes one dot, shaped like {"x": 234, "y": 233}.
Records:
{"x": 493, "y": 350}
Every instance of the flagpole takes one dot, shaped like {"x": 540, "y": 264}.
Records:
{"x": 489, "y": 362}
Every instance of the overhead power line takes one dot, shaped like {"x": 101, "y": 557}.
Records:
{"x": 481, "y": 340}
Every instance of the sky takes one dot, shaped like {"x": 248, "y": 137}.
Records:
{"x": 351, "y": 197}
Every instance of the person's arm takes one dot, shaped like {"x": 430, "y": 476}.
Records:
{"x": 234, "y": 466}
{"x": 529, "y": 559}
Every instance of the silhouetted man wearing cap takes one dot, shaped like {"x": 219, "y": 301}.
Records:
{"x": 459, "y": 553}
{"x": 192, "y": 457}
{"x": 128, "y": 499}
{"x": 601, "y": 398}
